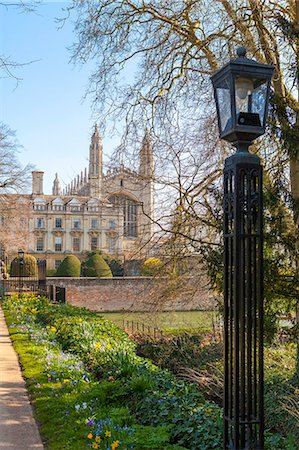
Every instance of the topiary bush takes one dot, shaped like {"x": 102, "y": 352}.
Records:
{"x": 95, "y": 266}
{"x": 51, "y": 272}
{"x": 116, "y": 266}
{"x": 69, "y": 267}
{"x": 25, "y": 267}
{"x": 151, "y": 267}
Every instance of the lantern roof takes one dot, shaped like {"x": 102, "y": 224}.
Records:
{"x": 244, "y": 66}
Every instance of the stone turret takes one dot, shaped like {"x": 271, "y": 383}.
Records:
{"x": 56, "y": 190}
{"x": 37, "y": 182}
{"x": 95, "y": 164}
{"x": 146, "y": 160}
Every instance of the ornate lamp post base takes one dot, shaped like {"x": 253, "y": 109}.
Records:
{"x": 243, "y": 303}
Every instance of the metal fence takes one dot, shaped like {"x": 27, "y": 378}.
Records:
{"x": 23, "y": 286}
{"x": 56, "y": 294}
{"x": 133, "y": 327}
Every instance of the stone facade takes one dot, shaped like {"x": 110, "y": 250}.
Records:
{"x": 96, "y": 211}
{"x": 135, "y": 294}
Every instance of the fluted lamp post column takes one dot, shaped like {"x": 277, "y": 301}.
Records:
{"x": 241, "y": 90}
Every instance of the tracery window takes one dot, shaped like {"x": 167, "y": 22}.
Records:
{"x": 130, "y": 213}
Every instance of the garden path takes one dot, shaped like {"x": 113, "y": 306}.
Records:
{"x": 18, "y": 429}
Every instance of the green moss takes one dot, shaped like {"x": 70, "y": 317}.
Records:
{"x": 69, "y": 267}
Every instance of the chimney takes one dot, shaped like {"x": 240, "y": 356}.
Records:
{"x": 37, "y": 182}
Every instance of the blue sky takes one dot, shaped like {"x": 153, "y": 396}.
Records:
{"x": 46, "y": 108}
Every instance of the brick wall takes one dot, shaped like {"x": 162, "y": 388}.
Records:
{"x": 135, "y": 293}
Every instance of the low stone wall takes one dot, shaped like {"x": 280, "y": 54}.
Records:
{"x": 135, "y": 293}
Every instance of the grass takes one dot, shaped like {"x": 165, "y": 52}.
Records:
{"x": 169, "y": 322}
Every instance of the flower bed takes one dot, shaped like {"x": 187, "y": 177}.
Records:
{"x": 91, "y": 390}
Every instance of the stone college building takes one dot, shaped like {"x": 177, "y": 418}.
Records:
{"x": 109, "y": 212}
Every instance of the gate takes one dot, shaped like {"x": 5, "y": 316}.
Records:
{"x": 21, "y": 284}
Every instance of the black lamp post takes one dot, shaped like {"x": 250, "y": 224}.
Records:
{"x": 21, "y": 254}
{"x": 241, "y": 90}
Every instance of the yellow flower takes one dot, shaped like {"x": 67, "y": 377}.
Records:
{"x": 109, "y": 346}
{"x": 89, "y": 436}
{"x": 34, "y": 310}
{"x": 98, "y": 345}
{"x": 53, "y": 329}
{"x": 95, "y": 445}
{"x": 66, "y": 381}
{"x": 114, "y": 445}
{"x": 107, "y": 433}
{"x": 98, "y": 439}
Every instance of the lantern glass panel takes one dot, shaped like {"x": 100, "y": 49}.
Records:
{"x": 259, "y": 96}
{"x": 250, "y": 95}
{"x": 223, "y": 98}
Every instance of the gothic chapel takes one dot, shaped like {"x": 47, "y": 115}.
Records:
{"x": 108, "y": 212}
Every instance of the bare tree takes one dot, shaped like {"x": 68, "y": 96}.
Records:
{"x": 14, "y": 178}
{"x": 172, "y": 47}
{"x": 175, "y": 46}
{"x": 9, "y": 67}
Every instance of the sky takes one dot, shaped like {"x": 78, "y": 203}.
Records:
{"x": 46, "y": 108}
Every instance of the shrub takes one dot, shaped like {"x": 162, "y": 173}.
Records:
{"x": 25, "y": 267}
{"x": 4, "y": 272}
{"x": 69, "y": 267}
{"x": 51, "y": 272}
{"x": 151, "y": 267}
{"x": 95, "y": 266}
{"x": 116, "y": 266}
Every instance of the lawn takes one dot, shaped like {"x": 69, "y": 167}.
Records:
{"x": 172, "y": 321}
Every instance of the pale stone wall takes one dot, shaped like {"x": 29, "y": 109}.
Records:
{"x": 106, "y": 212}
{"x": 135, "y": 294}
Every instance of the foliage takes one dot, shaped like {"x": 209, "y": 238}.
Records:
{"x": 4, "y": 271}
{"x": 95, "y": 266}
{"x": 107, "y": 353}
{"x": 24, "y": 267}
{"x": 280, "y": 280}
{"x": 69, "y": 403}
{"x": 176, "y": 351}
{"x": 116, "y": 266}
{"x": 70, "y": 266}
{"x": 51, "y": 272}
{"x": 151, "y": 267}
{"x": 67, "y": 388}
{"x": 105, "y": 434}
{"x": 206, "y": 360}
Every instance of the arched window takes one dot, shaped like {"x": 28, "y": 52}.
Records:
{"x": 130, "y": 213}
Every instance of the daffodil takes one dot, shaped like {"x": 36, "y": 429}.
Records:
{"x": 89, "y": 436}
{"x": 107, "y": 433}
{"x": 114, "y": 445}
{"x": 95, "y": 445}
{"x": 98, "y": 439}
